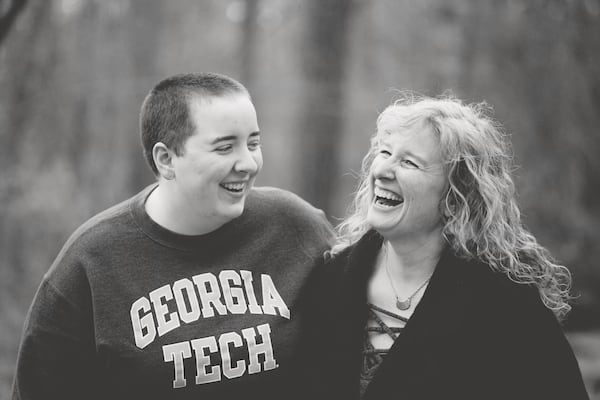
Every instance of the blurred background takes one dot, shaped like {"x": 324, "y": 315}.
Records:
{"x": 73, "y": 74}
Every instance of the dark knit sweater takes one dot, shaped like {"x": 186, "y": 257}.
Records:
{"x": 474, "y": 335}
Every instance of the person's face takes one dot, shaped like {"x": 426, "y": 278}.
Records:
{"x": 220, "y": 161}
{"x": 408, "y": 180}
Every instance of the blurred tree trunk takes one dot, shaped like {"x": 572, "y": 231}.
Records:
{"x": 17, "y": 98}
{"x": 321, "y": 113}
{"x": 7, "y": 20}
{"x": 24, "y": 60}
{"x": 142, "y": 41}
{"x": 247, "y": 45}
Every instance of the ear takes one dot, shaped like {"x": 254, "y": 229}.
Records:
{"x": 163, "y": 158}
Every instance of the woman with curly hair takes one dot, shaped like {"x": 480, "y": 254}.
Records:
{"x": 435, "y": 289}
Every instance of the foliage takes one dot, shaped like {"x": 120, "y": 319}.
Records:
{"x": 74, "y": 74}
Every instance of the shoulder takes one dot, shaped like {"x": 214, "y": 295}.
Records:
{"x": 287, "y": 211}
{"x": 278, "y": 203}
{"x": 94, "y": 236}
{"x": 356, "y": 260}
{"x": 527, "y": 339}
{"x": 105, "y": 225}
{"x": 362, "y": 250}
{"x": 271, "y": 198}
{"x": 483, "y": 277}
{"x": 492, "y": 308}
{"x": 497, "y": 294}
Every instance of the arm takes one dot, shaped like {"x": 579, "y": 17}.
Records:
{"x": 546, "y": 365}
{"x": 317, "y": 360}
{"x": 56, "y": 356}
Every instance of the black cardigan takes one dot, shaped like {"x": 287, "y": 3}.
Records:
{"x": 474, "y": 335}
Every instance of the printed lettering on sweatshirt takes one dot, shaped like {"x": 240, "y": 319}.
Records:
{"x": 205, "y": 296}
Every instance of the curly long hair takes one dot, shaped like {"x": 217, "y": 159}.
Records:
{"x": 481, "y": 216}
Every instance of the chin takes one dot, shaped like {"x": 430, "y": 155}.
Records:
{"x": 381, "y": 223}
{"x": 383, "y": 230}
{"x": 233, "y": 211}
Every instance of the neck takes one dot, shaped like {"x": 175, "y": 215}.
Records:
{"x": 170, "y": 211}
{"x": 410, "y": 261}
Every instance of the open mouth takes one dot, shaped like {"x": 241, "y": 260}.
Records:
{"x": 233, "y": 187}
{"x": 386, "y": 198}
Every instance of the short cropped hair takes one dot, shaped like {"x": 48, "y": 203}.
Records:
{"x": 164, "y": 115}
{"x": 481, "y": 217}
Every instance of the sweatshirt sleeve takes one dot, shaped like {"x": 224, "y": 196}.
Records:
{"x": 56, "y": 355}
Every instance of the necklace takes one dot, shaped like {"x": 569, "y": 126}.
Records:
{"x": 402, "y": 304}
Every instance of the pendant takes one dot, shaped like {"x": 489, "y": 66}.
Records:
{"x": 403, "y": 305}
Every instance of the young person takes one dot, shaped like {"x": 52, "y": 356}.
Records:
{"x": 188, "y": 289}
{"x": 435, "y": 289}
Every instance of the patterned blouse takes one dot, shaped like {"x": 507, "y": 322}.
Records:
{"x": 373, "y": 357}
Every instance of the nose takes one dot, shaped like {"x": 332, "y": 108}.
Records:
{"x": 248, "y": 161}
{"x": 382, "y": 169}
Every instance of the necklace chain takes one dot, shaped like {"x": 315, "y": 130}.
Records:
{"x": 402, "y": 304}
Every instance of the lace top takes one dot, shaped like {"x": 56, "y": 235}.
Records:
{"x": 373, "y": 357}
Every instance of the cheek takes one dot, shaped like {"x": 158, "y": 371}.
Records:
{"x": 258, "y": 159}
{"x": 428, "y": 196}
{"x": 434, "y": 201}
{"x": 435, "y": 193}
{"x": 215, "y": 172}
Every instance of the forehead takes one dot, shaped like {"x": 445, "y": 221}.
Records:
{"x": 391, "y": 129}
{"x": 397, "y": 118}
{"x": 234, "y": 114}
{"x": 226, "y": 105}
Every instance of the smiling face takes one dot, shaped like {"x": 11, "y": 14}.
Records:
{"x": 220, "y": 161}
{"x": 408, "y": 180}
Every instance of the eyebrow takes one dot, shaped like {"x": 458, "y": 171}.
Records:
{"x": 231, "y": 137}
{"x": 419, "y": 159}
{"x": 408, "y": 153}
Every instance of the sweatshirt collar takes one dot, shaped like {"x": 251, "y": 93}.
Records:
{"x": 217, "y": 240}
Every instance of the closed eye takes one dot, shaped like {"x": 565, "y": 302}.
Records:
{"x": 409, "y": 163}
{"x": 254, "y": 145}
{"x": 224, "y": 149}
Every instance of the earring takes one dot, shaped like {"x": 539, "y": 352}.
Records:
{"x": 169, "y": 176}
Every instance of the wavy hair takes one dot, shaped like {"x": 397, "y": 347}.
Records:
{"x": 481, "y": 217}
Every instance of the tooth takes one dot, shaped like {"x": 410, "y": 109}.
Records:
{"x": 386, "y": 194}
{"x": 234, "y": 186}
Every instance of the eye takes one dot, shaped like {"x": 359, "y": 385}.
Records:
{"x": 409, "y": 164}
{"x": 224, "y": 149}
{"x": 385, "y": 152}
{"x": 254, "y": 145}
